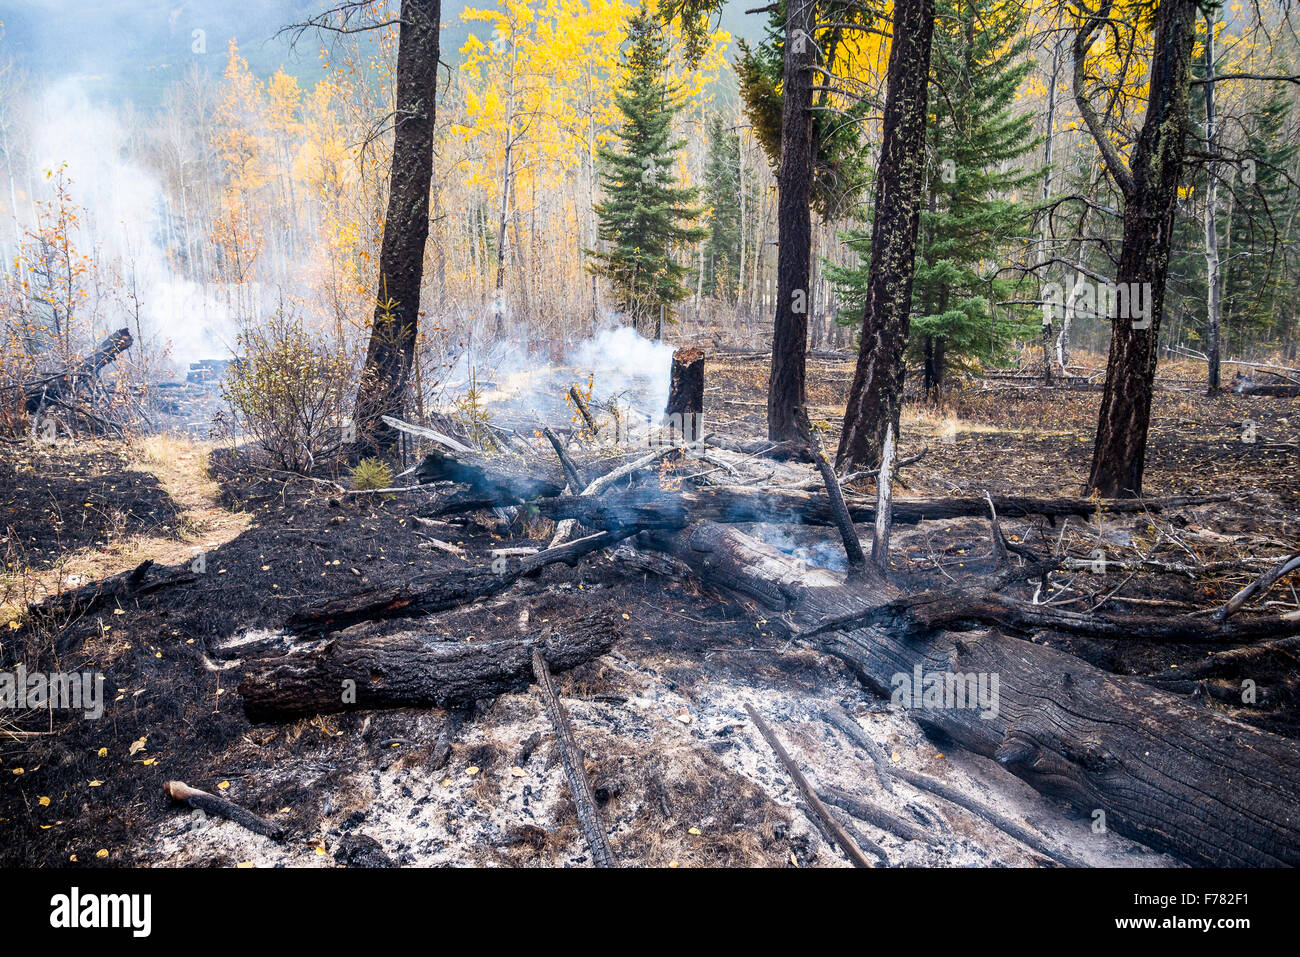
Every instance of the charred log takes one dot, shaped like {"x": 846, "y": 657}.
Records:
{"x": 414, "y": 671}
{"x": 1173, "y": 776}
{"x": 450, "y": 589}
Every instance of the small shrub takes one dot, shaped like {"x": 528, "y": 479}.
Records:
{"x": 288, "y": 393}
{"x": 372, "y": 474}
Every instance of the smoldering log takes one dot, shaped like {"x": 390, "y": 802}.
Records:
{"x": 67, "y": 381}
{"x": 655, "y": 508}
{"x": 684, "y": 414}
{"x": 414, "y": 670}
{"x": 1274, "y": 389}
{"x": 1166, "y": 773}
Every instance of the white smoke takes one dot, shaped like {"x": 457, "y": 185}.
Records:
{"x": 124, "y": 225}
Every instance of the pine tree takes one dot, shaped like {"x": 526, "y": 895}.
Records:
{"x": 722, "y": 202}
{"x": 1258, "y": 282}
{"x": 972, "y": 210}
{"x": 644, "y": 215}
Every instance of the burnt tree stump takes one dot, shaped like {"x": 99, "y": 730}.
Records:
{"x": 684, "y": 414}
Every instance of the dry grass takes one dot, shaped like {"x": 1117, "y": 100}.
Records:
{"x": 180, "y": 466}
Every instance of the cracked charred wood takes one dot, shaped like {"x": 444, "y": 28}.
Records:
{"x": 66, "y": 381}
{"x": 438, "y": 592}
{"x": 1166, "y": 773}
{"x": 414, "y": 671}
{"x": 655, "y": 508}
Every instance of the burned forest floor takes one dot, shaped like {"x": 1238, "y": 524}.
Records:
{"x": 682, "y": 776}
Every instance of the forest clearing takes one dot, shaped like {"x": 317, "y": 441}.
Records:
{"x": 653, "y": 435}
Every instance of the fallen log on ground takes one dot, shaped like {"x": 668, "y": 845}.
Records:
{"x": 414, "y": 671}
{"x": 654, "y": 508}
{"x": 957, "y": 605}
{"x": 1166, "y": 773}
{"x": 433, "y": 593}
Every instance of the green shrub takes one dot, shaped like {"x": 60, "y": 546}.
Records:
{"x": 288, "y": 393}
{"x": 371, "y": 474}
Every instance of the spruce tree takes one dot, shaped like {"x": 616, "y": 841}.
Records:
{"x": 644, "y": 216}
{"x": 972, "y": 210}
{"x": 722, "y": 202}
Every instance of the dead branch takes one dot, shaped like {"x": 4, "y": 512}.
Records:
{"x": 574, "y": 761}
{"x": 1260, "y": 585}
{"x": 211, "y": 804}
{"x": 829, "y": 825}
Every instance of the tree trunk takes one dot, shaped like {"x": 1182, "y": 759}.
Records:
{"x": 1211, "y": 221}
{"x": 876, "y": 396}
{"x": 1150, "y": 197}
{"x": 1176, "y": 777}
{"x": 391, "y": 351}
{"x": 413, "y": 671}
{"x": 685, "y": 410}
{"x": 786, "y": 385}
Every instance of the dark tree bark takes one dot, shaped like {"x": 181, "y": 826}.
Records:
{"x": 686, "y": 395}
{"x": 414, "y": 671}
{"x": 391, "y": 351}
{"x": 1150, "y": 195}
{"x": 786, "y": 387}
{"x": 876, "y": 396}
{"x": 1177, "y": 777}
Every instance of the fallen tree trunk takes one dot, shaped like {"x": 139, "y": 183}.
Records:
{"x": 64, "y": 383}
{"x": 414, "y": 671}
{"x": 1176, "y": 777}
{"x": 654, "y": 508}
{"x": 449, "y": 589}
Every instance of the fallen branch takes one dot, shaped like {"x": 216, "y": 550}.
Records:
{"x": 829, "y": 825}
{"x": 211, "y": 804}
{"x": 1260, "y": 585}
{"x": 571, "y": 756}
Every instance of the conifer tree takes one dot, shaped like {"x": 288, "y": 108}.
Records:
{"x": 972, "y": 211}
{"x": 645, "y": 215}
{"x": 722, "y": 202}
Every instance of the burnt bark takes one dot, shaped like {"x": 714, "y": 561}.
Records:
{"x": 876, "y": 396}
{"x": 650, "y": 507}
{"x": 414, "y": 671}
{"x": 449, "y": 589}
{"x": 65, "y": 383}
{"x": 1150, "y": 196}
{"x": 391, "y": 351}
{"x": 685, "y": 409}
{"x": 1166, "y": 773}
{"x": 786, "y": 386}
